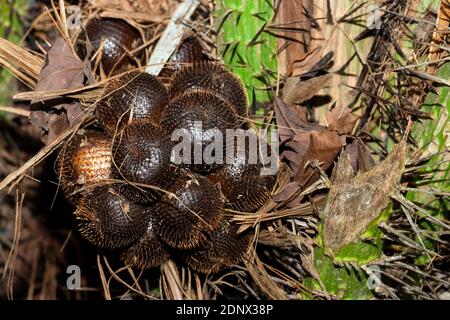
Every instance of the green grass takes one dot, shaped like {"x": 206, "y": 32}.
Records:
{"x": 246, "y": 46}
{"x": 11, "y": 29}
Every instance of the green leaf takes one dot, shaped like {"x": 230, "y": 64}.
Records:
{"x": 369, "y": 248}
{"x": 347, "y": 284}
{"x": 246, "y": 46}
{"x": 11, "y": 29}
{"x": 432, "y": 137}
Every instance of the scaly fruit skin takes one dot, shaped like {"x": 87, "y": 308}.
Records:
{"x": 246, "y": 45}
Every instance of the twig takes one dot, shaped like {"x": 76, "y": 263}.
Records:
{"x": 171, "y": 36}
{"x": 106, "y": 292}
{"x": 17, "y": 111}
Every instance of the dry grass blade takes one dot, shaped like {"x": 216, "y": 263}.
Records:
{"x": 105, "y": 285}
{"x": 201, "y": 295}
{"x": 88, "y": 93}
{"x": 418, "y": 271}
{"x": 263, "y": 280}
{"x": 16, "y": 111}
{"x": 429, "y": 77}
{"x": 263, "y": 215}
{"x": 413, "y": 208}
{"x": 10, "y": 262}
{"x": 404, "y": 239}
{"x": 414, "y": 227}
{"x": 114, "y": 274}
{"x": 171, "y": 284}
{"x": 23, "y": 64}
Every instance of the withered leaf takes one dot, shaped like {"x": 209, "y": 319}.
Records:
{"x": 297, "y": 91}
{"x": 290, "y": 122}
{"x": 57, "y": 124}
{"x": 323, "y": 146}
{"x": 355, "y": 201}
{"x": 341, "y": 119}
{"x": 305, "y": 142}
{"x": 304, "y": 64}
{"x": 320, "y": 68}
{"x": 62, "y": 70}
{"x": 360, "y": 156}
{"x": 52, "y": 124}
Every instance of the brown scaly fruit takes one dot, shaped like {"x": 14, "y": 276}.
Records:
{"x": 85, "y": 160}
{"x": 223, "y": 249}
{"x": 184, "y": 220}
{"x": 108, "y": 220}
{"x": 211, "y": 77}
{"x": 133, "y": 96}
{"x": 148, "y": 252}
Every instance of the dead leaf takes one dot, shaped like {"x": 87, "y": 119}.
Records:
{"x": 304, "y": 142}
{"x": 323, "y": 146}
{"x": 341, "y": 119}
{"x": 360, "y": 156}
{"x": 296, "y": 91}
{"x": 290, "y": 122}
{"x": 57, "y": 124}
{"x": 320, "y": 68}
{"x": 304, "y": 64}
{"x": 62, "y": 70}
{"x": 292, "y": 46}
{"x": 355, "y": 201}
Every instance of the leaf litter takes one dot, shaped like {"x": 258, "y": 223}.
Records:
{"x": 62, "y": 70}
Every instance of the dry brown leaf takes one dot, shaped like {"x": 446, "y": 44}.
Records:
{"x": 292, "y": 25}
{"x": 303, "y": 65}
{"x": 323, "y": 146}
{"x": 290, "y": 122}
{"x": 62, "y": 70}
{"x": 305, "y": 142}
{"x": 341, "y": 120}
{"x": 355, "y": 201}
{"x": 360, "y": 156}
{"x": 297, "y": 91}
